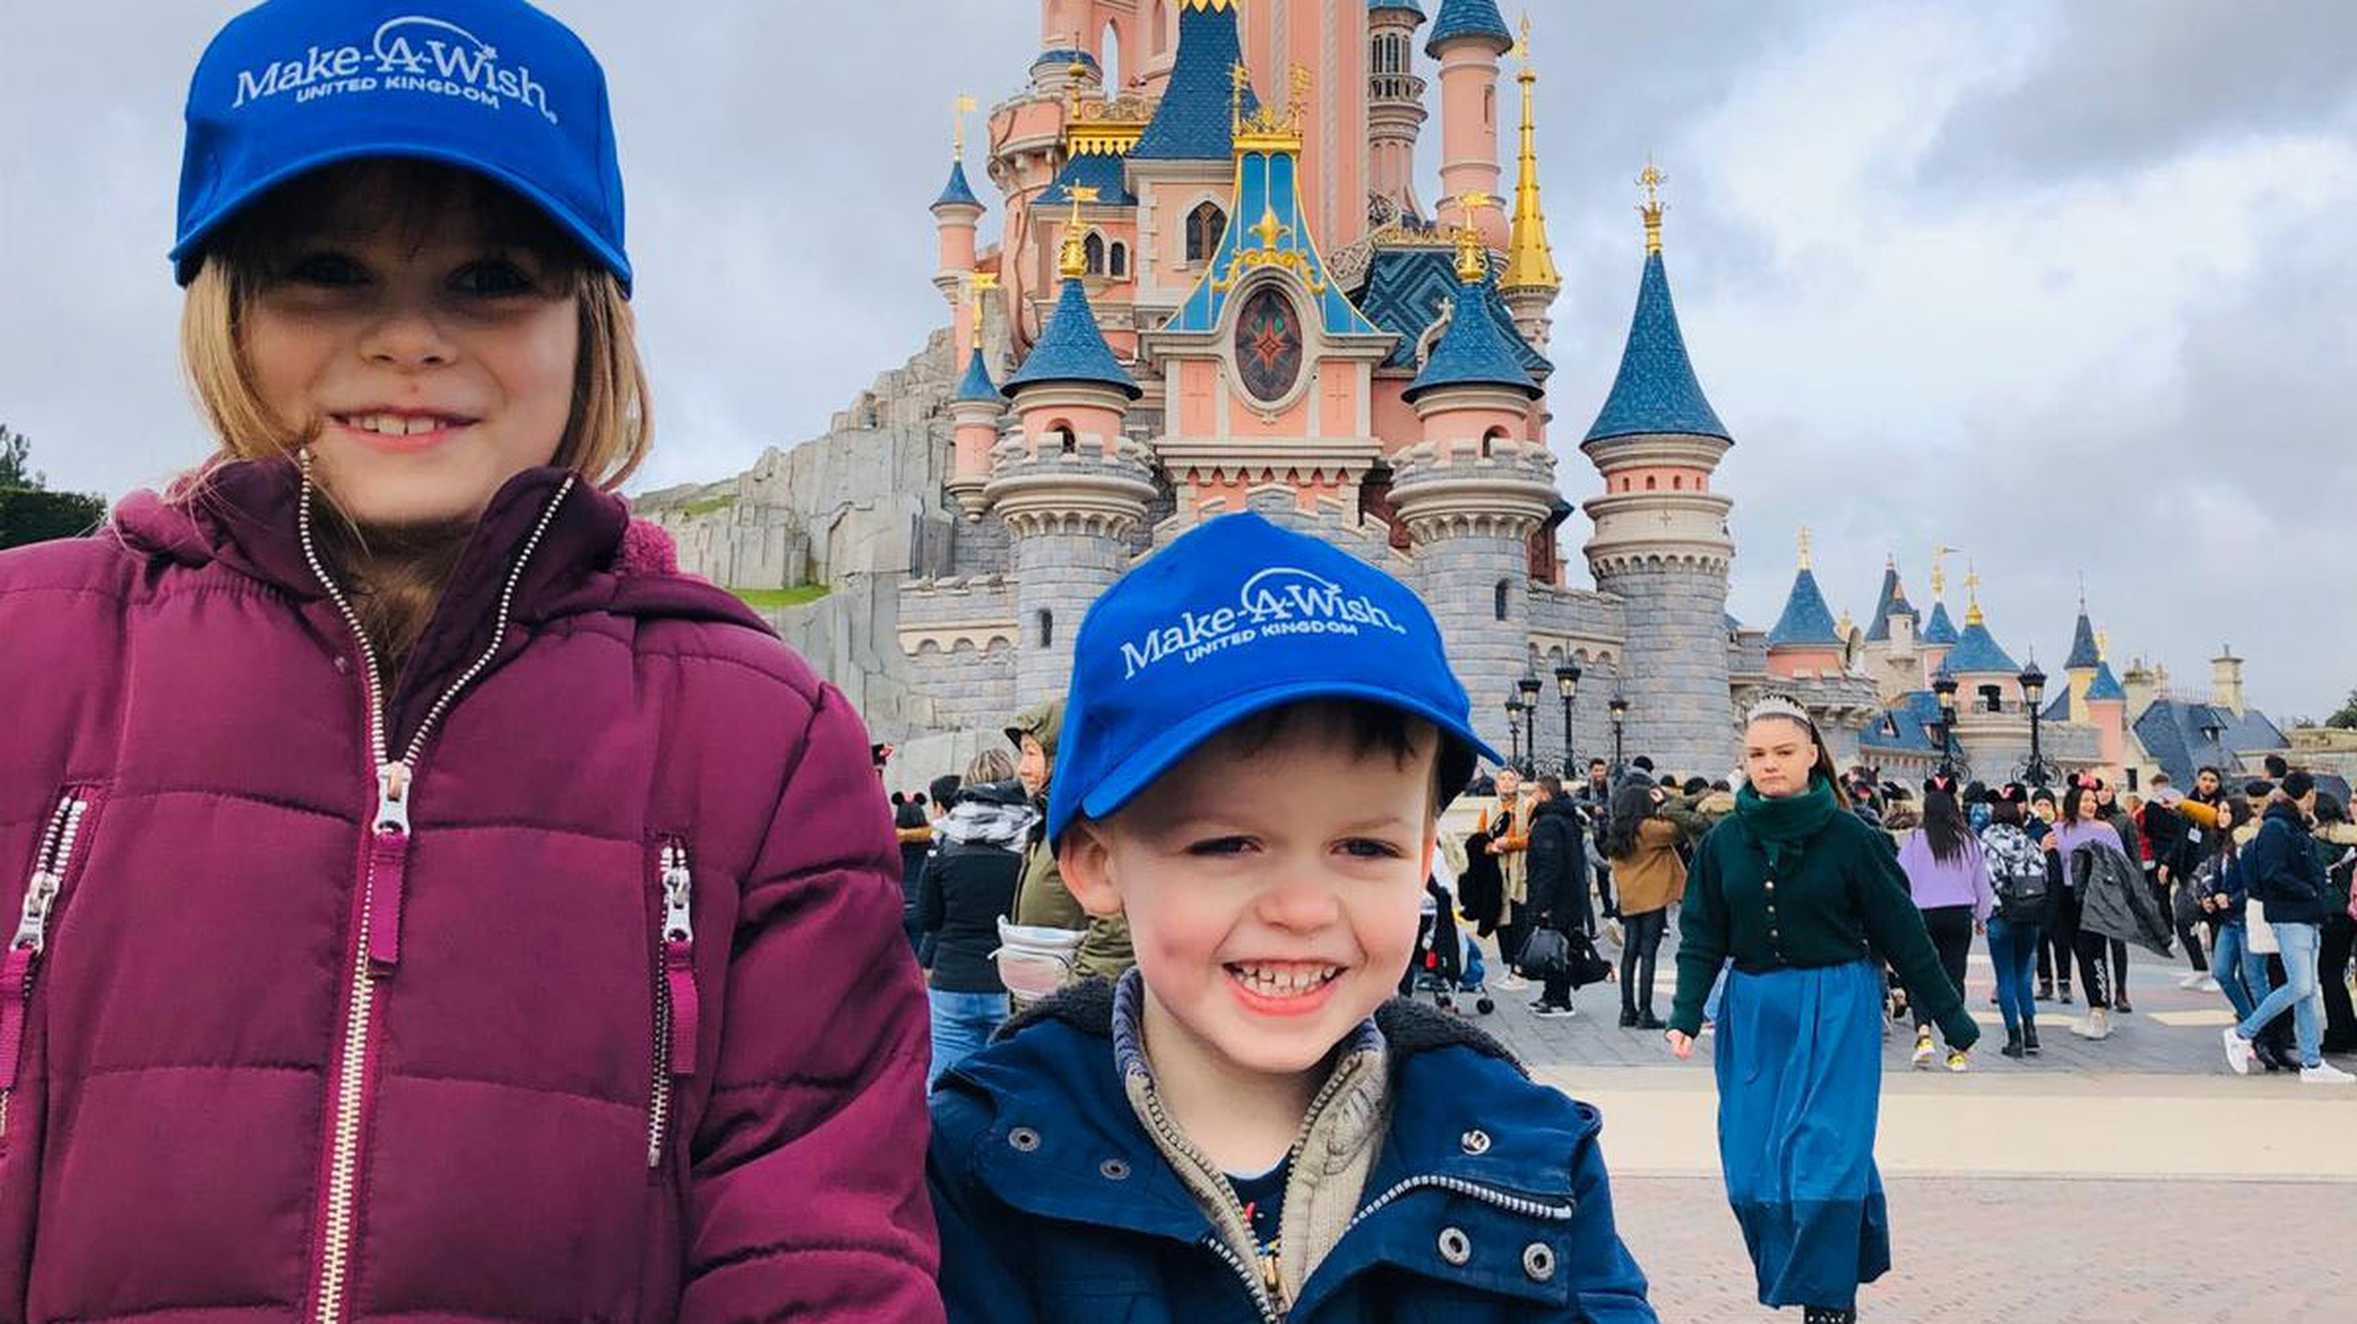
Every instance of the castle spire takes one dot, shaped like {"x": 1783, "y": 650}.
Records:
{"x": 1656, "y": 390}
{"x": 1530, "y": 259}
{"x": 1195, "y": 121}
{"x": 1475, "y": 350}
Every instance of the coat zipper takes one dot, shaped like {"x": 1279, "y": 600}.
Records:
{"x": 376, "y": 947}
{"x": 676, "y": 1007}
{"x": 1512, "y": 1204}
{"x": 1255, "y": 1277}
{"x": 32, "y": 938}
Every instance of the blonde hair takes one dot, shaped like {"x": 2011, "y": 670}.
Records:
{"x": 400, "y": 574}
{"x": 991, "y": 765}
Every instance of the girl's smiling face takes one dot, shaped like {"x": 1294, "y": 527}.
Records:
{"x": 435, "y": 359}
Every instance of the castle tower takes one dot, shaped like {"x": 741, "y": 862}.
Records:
{"x": 1070, "y": 487}
{"x": 974, "y": 412}
{"x": 2082, "y": 663}
{"x": 1805, "y": 640}
{"x": 1474, "y": 491}
{"x": 2226, "y": 681}
{"x": 1531, "y": 281}
{"x": 1978, "y": 664}
{"x": 1468, "y": 38}
{"x": 956, "y": 214}
{"x": 2107, "y": 709}
{"x": 1395, "y": 101}
{"x": 1891, "y": 648}
{"x": 1182, "y": 165}
{"x": 1661, "y": 542}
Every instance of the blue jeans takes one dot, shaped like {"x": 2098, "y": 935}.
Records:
{"x": 2299, "y": 991}
{"x": 962, "y": 1023}
{"x": 2013, "y": 949}
{"x": 2230, "y": 962}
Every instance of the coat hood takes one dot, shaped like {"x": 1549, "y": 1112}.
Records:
{"x": 1042, "y": 721}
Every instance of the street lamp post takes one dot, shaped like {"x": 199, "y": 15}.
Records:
{"x": 1567, "y": 681}
{"x": 2033, "y": 692}
{"x": 1620, "y": 716}
{"x": 1514, "y": 732}
{"x": 1529, "y": 685}
{"x": 1945, "y": 688}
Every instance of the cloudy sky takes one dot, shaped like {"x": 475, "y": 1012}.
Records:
{"x": 2070, "y": 287}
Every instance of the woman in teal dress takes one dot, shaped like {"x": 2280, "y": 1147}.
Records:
{"x": 1811, "y": 904}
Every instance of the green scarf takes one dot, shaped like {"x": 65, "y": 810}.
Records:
{"x": 1784, "y": 824}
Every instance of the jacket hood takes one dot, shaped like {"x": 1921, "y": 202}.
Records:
{"x": 1006, "y": 794}
{"x": 1042, "y": 721}
{"x": 593, "y": 557}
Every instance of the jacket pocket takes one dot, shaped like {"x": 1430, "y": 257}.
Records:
{"x": 63, "y": 843}
{"x": 677, "y": 1011}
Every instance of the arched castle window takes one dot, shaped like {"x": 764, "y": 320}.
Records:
{"x": 1677, "y": 483}
{"x": 1205, "y": 224}
{"x": 1505, "y": 586}
{"x": 1117, "y": 261}
{"x": 1047, "y": 628}
{"x": 1992, "y": 699}
{"x": 1094, "y": 247}
{"x": 1490, "y": 440}
{"x": 1489, "y": 106}
{"x": 1651, "y": 482}
{"x": 1109, "y": 58}
{"x": 1065, "y": 439}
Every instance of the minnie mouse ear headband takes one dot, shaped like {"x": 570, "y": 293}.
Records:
{"x": 1941, "y": 783}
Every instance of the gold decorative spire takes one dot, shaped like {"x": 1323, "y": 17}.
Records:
{"x": 1972, "y": 586}
{"x": 1939, "y": 572}
{"x": 1651, "y": 180}
{"x": 1804, "y": 547}
{"x": 1530, "y": 259}
{"x": 1270, "y": 128}
{"x": 1073, "y": 260}
{"x": 959, "y": 109}
{"x": 2103, "y": 645}
{"x": 982, "y": 284}
{"x": 1472, "y": 256}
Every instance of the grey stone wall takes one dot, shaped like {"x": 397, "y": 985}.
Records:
{"x": 979, "y": 547}
{"x": 1556, "y": 610}
{"x": 1680, "y": 705}
{"x": 1459, "y": 575}
{"x": 970, "y": 687}
{"x": 1057, "y": 576}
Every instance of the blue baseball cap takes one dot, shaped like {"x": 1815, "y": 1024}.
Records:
{"x": 1238, "y": 617}
{"x": 491, "y": 86}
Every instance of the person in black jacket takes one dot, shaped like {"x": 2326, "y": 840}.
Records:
{"x": 2280, "y": 869}
{"x": 969, "y": 883}
{"x": 1558, "y": 864}
{"x": 915, "y": 830}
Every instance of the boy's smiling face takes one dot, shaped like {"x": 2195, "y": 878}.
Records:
{"x": 1273, "y": 894}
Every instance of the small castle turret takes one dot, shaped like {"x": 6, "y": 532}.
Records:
{"x": 1395, "y": 101}
{"x": 1661, "y": 542}
{"x": 1468, "y": 38}
{"x": 2080, "y": 667}
{"x": 1070, "y": 487}
{"x": 1939, "y": 635}
{"x": 1977, "y": 662}
{"x": 1805, "y": 640}
{"x": 974, "y": 412}
{"x": 2107, "y": 709}
{"x": 956, "y": 215}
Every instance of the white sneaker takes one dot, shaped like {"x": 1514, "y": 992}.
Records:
{"x": 2192, "y": 981}
{"x": 1923, "y": 1051}
{"x": 2325, "y": 1073}
{"x": 1510, "y": 982}
{"x": 2096, "y": 1026}
{"x": 1613, "y": 930}
{"x": 2238, "y": 1052}
{"x": 2208, "y": 984}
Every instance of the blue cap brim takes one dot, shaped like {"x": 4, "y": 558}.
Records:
{"x": 1160, "y": 754}
{"x": 186, "y": 254}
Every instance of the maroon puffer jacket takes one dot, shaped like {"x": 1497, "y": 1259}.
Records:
{"x": 604, "y": 1013}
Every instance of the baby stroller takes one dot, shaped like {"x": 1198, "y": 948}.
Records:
{"x": 1444, "y": 964}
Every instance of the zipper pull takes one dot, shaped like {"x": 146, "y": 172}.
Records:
{"x": 679, "y": 959}
{"x": 388, "y": 868}
{"x": 32, "y": 925}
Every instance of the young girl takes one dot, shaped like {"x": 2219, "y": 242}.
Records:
{"x": 433, "y": 904}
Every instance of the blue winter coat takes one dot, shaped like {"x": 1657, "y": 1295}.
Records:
{"x": 1055, "y": 1207}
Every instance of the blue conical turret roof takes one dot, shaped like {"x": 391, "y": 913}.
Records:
{"x": 977, "y": 385}
{"x": 2106, "y": 686}
{"x": 1196, "y": 118}
{"x": 1892, "y": 601}
{"x": 1656, "y": 390}
{"x": 1940, "y": 630}
{"x": 1410, "y": 6}
{"x": 1976, "y": 652}
{"x": 1474, "y": 351}
{"x": 957, "y": 193}
{"x": 1072, "y": 348}
{"x": 1807, "y": 622}
{"x": 2084, "y": 653}
{"x": 1468, "y": 18}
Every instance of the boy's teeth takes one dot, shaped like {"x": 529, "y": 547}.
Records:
{"x": 1282, "y": 981}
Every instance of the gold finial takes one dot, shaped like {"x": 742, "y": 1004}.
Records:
{"x": 1804, "y": 547}
{"x": 1522, "y": 47}
{"x": 1073, "y": 260}
{"x": 958, "y": 110}
{"x": 1472, "y": 257}
{"x": 981, "y": 284}
{"x": 1241, "y": 78}
{"x": 1651, "y": 180}
{"x": 1530, "y": 259}
{"x": 1271, "y": 128}
{"x": 1972, "y": 587}
{"x": 1939, "y": 572}
{"x": 2103, "y": 645}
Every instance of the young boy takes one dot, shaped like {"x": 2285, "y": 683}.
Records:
{"x": 1261, "y": 734}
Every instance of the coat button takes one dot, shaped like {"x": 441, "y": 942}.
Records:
{"x": 1475, "y": 1141}
{"x": 1455, "y": 1246}
{"x": 1538, "y": 1260}
{"x": 1113, "y": 1169}
{"x": 1024, "y": 1139}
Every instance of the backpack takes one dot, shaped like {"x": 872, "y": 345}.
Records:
{"x": 2017, "y": 872}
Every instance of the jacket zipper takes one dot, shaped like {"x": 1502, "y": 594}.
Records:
{"x": 376, "y": 947}
{"x": 676, "y": 1007}
{"x": 32, "y": 938}
{"x": 1513, "y": 1204}
{"x": 1255, "y": 1277}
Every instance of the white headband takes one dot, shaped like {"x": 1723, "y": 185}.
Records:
{"x": 1777, "y": 705}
